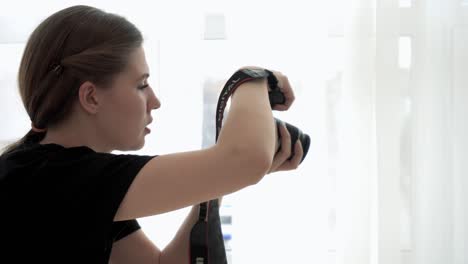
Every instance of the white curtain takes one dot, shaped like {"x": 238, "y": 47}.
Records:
{"x": 402, "y": 150}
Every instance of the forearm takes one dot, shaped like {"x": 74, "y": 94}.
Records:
{"x": 177, "y": 251}
{"x": 249, "y": 124}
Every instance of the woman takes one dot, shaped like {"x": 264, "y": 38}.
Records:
{"x": 66, "y": 198}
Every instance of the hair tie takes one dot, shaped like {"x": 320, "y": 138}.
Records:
{"x": 57, "y": 69}
{"x": 37, "y": 130}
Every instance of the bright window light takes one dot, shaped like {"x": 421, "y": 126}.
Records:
{"x": 404, "y": 52}
{"x": 214, "y": 26}
{"x": 406, "y": 3}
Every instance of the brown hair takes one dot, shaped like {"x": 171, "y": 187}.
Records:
{"x": 74, "y": 45}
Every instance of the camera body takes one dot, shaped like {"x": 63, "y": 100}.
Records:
{"x": 277, "y": 97}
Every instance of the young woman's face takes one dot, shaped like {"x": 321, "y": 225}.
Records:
{"x": 125, "y": 111}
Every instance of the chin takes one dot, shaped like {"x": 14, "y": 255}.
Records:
{"x": 140, "y": 144}
{"x": 132, "y": 146}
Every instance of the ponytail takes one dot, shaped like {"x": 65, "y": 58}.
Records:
{"x": 30, "y": 137}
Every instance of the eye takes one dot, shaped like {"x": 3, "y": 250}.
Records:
{"x": 143, "y": 86}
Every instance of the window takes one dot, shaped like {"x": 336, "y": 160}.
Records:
{"x": 405, "y": 3}
{"x": 404, "y": 52}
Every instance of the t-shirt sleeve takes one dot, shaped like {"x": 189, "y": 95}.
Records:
{"x": 121, "y": 229}
{"x": 114, "y": 174}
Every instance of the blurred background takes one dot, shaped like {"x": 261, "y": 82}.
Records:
{"x": 381, "y": 88}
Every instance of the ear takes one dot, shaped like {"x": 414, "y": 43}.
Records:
{"x": 88, "y": 97}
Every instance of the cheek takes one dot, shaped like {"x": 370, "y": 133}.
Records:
{"x": 117, "y": 113}
{"x": 130, "y": 110}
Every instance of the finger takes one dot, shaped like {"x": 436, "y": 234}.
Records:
{"x": 285, "y": 139}
{"x": 288, "y": 92}
{"x": 295, "y": 161}
{"x": 285, "y": 152}
{"x": 280, "y": 107}
{"x": 285, "y": 88}
{"x": 298, "y": 152}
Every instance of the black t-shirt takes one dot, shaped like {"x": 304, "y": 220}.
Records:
{"x": 57, "y": 204}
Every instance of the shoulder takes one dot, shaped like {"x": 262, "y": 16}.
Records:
{"x": 84, "y": 179}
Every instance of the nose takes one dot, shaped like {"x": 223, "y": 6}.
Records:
{"x": 153, "y": 102}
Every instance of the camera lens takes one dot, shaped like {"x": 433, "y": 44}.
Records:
{"x": 295, "y": 133}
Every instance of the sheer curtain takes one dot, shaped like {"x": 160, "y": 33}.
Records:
{"x": 381, "y": 88}
{"x": 402, "y": 156}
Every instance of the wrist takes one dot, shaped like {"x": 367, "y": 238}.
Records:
{"x": 252, "y": 84}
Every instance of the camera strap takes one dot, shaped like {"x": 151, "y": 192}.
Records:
{"x": 206, "y": 238}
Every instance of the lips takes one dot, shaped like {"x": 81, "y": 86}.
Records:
{"x": 149, "y": 123}
{"x": 150, "y": 120}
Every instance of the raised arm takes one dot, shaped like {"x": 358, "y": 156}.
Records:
{"x": 241, "y": 157}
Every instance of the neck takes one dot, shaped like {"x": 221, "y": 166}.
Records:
{"x": 68, "y": 135}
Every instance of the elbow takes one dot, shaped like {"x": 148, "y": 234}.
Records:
{"x": 263, "y": 168}
{"x": 256, "y": 165}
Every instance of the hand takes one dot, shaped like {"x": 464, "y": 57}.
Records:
{"x": 280, "y": 160}
{"x": 285, "y": 88}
